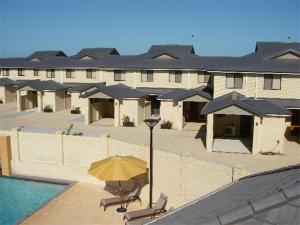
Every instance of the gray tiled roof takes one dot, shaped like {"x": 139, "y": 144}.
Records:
{"x": 178, "y": 51}
{"x": 271, "y": 197}
{"x": 46, "y": 55}
{"x": 181, "y": 94}
{"x": 39, "y": 85}
{"x": 96, "y": 53}
{"x": 80, "y": 87}
{"x": 7, "y": 82}
{"x": 285, "y": 103}
{"x": 261, "y": 107}
{"x": 262, "y": 60}
{"x": 118, "y": 91}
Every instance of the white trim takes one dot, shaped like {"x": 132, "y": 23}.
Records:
{"x": 293, "y": 108}
{"x": 284, "y": 73}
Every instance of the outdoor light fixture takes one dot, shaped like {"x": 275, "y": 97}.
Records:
{"x": 151, "y": 124}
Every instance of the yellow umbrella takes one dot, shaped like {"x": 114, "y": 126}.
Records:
{"x": 118, "y": 168}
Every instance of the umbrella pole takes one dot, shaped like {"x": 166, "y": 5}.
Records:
{"x": 121, "y": 209}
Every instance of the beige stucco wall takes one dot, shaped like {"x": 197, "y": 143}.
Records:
{"x": 268, "y": 134}
{"x": 2, "y": 94}
{"x": 169, "y": 112}
{"x": 132, "y": 108}
{"x": 160, "y": 79}
{"x": 253, "y": 86}
{"x": 49, "y": 98}
{"x": 7, "y": 94}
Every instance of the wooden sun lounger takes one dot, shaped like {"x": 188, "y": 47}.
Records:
{"x": 130, "y": 197}
{"x": 157, "y": 209}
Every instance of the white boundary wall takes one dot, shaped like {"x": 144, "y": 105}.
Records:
{"x": 57, "y": 156}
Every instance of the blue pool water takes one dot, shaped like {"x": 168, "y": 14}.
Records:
{"x": 19, "y": 198}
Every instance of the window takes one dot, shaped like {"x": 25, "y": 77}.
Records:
{"x": 175, "y": 76}
{"x": 69, "y": 73}
{"x": 272, "y": 82}
{"x": 50, "y": 73}
{"x": 203, "y": 77}
{"x": 20, "y": 72}
{"x": 90, "y": 74}
{"x": 35, "y": 73}
{"x": 119, "y": 75}
{"x": 234, "y": 80}
{"x": 147, "y": 76}
{"x": 6, "y": 72}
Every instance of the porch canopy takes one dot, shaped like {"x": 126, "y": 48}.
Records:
{"x": 38, "y": 85}
{"x": 239, "y": 104}
{"x": 200, "y": 94}
{"x": 118, "y": 91}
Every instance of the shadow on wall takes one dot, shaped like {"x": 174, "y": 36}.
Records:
{"x": 292, "y": 135}
{"x": 201, "y": 134}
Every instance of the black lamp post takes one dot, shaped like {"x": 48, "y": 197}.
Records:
{"x": 151, "y": 124}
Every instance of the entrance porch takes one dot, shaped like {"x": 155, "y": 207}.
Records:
{"x": 101, "y": 111}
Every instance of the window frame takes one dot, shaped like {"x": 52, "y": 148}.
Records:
{"x": 6, "y": 72}
{"x": 92, "y": 74}
{"x": 52, "y": 73}
{"x": 234, "y": 80}
{"x": 272, "y": 80}
{"x": 205, "y": 74}
{"x": 35, "y": 72}
{"x": 175, "y": 73}
{"x": 147, "y": 73}
{"x": 20, "y": 73}
{"x": 121, "y": 73}
{"x": 69, "y": 73}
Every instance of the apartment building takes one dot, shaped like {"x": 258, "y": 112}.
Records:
{"x": 254, "y": 98}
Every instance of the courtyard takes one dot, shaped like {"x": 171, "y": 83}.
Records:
{"x": 189, "y": 142}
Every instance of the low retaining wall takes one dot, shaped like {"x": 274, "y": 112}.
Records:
{"x": 56, "y": 156}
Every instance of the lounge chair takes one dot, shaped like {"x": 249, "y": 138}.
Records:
{"x": 157, "y": 209}
{"x": 130, "y": 197}
{"x": 144, "y": 220}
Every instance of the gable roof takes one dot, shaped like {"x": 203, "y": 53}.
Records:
{"x": 181, "y": 94}
{"x": 7, "y": 82}
{"x": 260, "y": 107}
{"x": 96, "y": 53}
{"x": 177, "y": 51}
{"x": 118, "y": 91}
{"x": 45, "y": 55}
{"x": 271, "y": 197}
{"x": 39, "y": 85}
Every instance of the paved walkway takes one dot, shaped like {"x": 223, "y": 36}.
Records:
{"x": 79, "y": 205}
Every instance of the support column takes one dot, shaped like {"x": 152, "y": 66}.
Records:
{"x": 86, "y": 112}
{"x": 40, "y": 101}
{"x": 209, "y": 132}
{"x": 117, "y": 113}
{"x": 19, "y": 107}
{"x": 180, "y": 115}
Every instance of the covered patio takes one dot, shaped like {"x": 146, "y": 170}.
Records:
{"x": 42, "y": 94}
{"x": 108, "y": 105}
{"x": 183, "y": 107}
{"x": 238, "y": 124}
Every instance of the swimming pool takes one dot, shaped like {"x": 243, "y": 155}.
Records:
{"x": 19, "y": 198}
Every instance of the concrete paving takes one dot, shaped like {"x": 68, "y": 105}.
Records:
{"x": 232, "y": 145}
{"x": 79, "y": 205}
